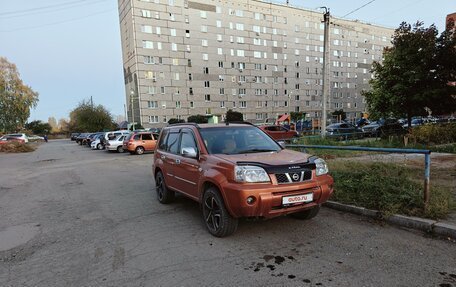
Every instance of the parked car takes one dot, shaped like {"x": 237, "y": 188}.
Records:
{"x": 21, "y": 137}
{"x": 7, "y": 139}
{"x": 279, "y": 132}
{"x": 413, "y": 123}
{"x": 35, "y": 138}
{"x": 96, "y": 142}
{"x": 140, "y": 142}
{"x": 92, "y": 137}
{"x": 383, "y": 127}
{"x": 235, "y": 171}
{"x": 80, "y": 138}
{"x": 343, "y": 131}
{"x": 116, "y": 144}
{"x": 73, "y": 136}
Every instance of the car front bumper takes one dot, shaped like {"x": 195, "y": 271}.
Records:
{"x": 268, "y": 197}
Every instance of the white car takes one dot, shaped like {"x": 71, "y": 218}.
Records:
{"x": 116, "y": 144}
{"x": 96, "y": 142}
{"x": 23, "y": 137}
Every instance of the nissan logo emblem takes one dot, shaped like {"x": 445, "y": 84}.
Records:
{"x": 295, "y": 176}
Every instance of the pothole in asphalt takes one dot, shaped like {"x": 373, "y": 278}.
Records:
{"x": 14, "y": 236}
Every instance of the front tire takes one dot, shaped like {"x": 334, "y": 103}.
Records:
{"x": 99, "y": 146}
{"x": 120, "y": 149}
{"x": 164, "y": 195}
{"x": 139, "y": 150}
{"x": 307, "y": 214}
{"x": 217, "y": 219}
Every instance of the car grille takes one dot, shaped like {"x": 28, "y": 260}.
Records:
{"x": 293, "y": 177}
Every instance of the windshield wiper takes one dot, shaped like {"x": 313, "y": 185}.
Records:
{"x": 256, "y": 150}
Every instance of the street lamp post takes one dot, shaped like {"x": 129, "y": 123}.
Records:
{"x": 132, "y": 93}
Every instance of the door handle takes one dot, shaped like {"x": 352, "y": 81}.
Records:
{"x": 178, "y": 161}
{"x": 162, "y": 157}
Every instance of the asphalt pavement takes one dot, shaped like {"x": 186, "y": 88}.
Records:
{"x": 71, "y": 216}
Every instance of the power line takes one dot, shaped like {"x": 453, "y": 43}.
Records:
{"x": 57, "y": 23}
{"x": 47, "y": 9}
{"x": 358, "y": 8}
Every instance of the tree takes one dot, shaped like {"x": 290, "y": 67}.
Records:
{"x": 38, "y": 127}
{"x": 16, "y": 99}
{"x": 53, "y": 123}
{"x": 232, "y": 116}
{"x": 340, "y": 114}
{"x": 63, "y": 125}
{"x": 88, "y": 118}
{"x": 175, "y": 121}
{"x": 199, "y": 119}
{"x": 296, "y": 116}
{"x": 414, "y": 75}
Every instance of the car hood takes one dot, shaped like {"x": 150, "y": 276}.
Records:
{"x": 282, "y": 157}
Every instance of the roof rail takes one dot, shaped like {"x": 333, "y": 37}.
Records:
{"x": 185, "y": 124}
{"x": 238, "y": 122}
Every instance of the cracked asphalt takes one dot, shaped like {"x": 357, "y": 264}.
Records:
{"x": 70, "y": 216}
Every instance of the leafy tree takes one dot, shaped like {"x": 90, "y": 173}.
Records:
{"x": 340, "y": 113}
{"x": 63, "y": 125}
{"x": 38, "y": 127}
{"x": 136, "y": 127}
{"x": 16, "y": 98}
{"x": 296, "y": 116}
{"x": 414, "y": 75}
{"x": 233, "y": 116}
{"x": 88, "y": 118}
{"x": 199, "y": 119}
{"x": 53, "y": 123}
{"x": 175, "y": 121}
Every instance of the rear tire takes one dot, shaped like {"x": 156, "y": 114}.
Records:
{"x": 217, "y": 219}
{"x": 306, "y": 214}
{"x": 139, "y": 150}
{"x": 164, "y": 195}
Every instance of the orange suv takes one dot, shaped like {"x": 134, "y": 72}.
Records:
{"x": 236, "y": 170}
{"x": 140, "y": 142}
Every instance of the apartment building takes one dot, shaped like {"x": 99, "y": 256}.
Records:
{"x": 262, "y": 59}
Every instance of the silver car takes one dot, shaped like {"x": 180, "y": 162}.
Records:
{"x": 116, "y": 144}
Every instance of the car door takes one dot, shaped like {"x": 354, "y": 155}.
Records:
{"x": 168, "y": 153}
{"x": 148, "y": 141}
{"x": 186, "y": 169}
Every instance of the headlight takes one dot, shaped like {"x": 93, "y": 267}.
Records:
{"x": 321, "y": 167}
{"x": 248, "y": 173}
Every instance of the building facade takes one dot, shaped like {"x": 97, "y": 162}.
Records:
{"x": 184, "y": 58}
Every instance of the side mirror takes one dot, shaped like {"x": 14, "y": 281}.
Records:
{"x": 281, "y": 143}
{"x": 189, "y": 152}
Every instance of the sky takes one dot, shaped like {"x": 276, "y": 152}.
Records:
{"x": 69, "y": 50}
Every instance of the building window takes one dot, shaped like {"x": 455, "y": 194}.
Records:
{"x": 153, "y": 119}
{"x": 147, "y": 44}
{"x": 204, "y": 28}
{"x": 192, "y": 105}
{"x": 145, "y": 13}
{"x": 205, "y": 57}
{"x": 207, "y": 98}
{"x": 218, "y": 24}
{"x": 146, "y": 29}
{"x": 220, "y": 64}
{"x": 152, "y": 104}
{"x": 243, "y": 104}
{"x": 203, "y": 14}
{"x": 206, "y": 84}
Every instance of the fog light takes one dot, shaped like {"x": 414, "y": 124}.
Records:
{"x": 250, "y": 200}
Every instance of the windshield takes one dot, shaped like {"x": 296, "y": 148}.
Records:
{"x": 237, "y": 140}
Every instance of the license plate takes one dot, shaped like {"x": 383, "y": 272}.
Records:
{"x": 287, "y": 200}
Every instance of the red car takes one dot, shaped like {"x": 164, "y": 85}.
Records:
{"x": 8, "y": 139}
{"x": 279, "y": 132}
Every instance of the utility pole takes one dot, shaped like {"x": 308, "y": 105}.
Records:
{"x": 325, "y": 71}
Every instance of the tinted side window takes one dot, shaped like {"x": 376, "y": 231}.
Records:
{"x": 163, "y": 140}
{"x": 172, "y": 144}
{"x": 137, "y": 137}
{"x": 147, "y": 137}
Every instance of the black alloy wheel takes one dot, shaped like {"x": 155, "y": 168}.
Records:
{"x": 217, "y": 219}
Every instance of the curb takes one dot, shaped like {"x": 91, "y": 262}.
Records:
{"x": 422, "y": 224}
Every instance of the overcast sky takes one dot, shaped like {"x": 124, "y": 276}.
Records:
{"x": 69, "y": 50}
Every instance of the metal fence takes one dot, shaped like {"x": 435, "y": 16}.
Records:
{"x": 426, "y": 153}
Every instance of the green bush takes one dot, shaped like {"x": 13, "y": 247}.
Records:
{"x": 434, "y": 134}
{"x": 389, "y": 188}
